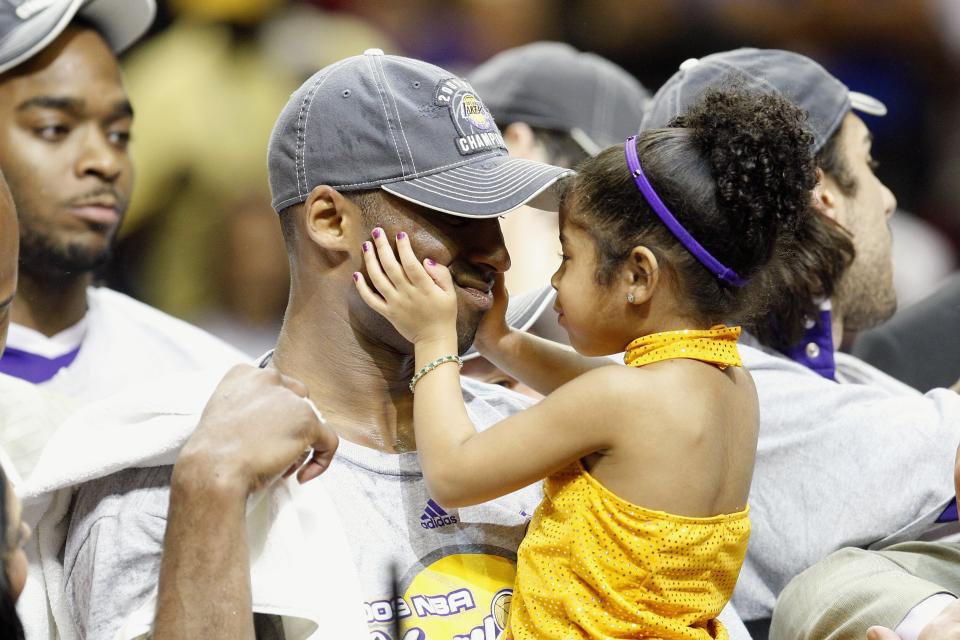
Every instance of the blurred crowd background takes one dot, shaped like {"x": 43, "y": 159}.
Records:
{"x": 202, "y": 242}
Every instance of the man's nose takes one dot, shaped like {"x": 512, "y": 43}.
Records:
{"x": 483, "y": 244}
{"x": 98, "y": 156}
{"x": 889, "y": 201}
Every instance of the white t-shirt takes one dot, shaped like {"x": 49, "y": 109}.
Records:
{"x": 28, "y": 417}
{"x": 122, "y": 341}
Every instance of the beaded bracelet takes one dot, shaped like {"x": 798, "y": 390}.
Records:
{"x": 430, "y": 366}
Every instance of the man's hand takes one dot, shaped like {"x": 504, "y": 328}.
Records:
{"x": 257, "y": 424}
{"x": 955, "y": 387}
{"x": 946, "y": 626}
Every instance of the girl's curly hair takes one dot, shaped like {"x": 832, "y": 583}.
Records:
{"x": 736, "y": 170}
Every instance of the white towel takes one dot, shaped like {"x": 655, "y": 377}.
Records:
{"x": 146, "y": 427}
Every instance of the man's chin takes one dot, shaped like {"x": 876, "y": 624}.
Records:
{"x": 62, "y": 261}
{"x": 868, "y": 319}
{"x": 466, "y": 332}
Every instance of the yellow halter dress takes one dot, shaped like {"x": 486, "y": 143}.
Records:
{"x": 593, "y": 565}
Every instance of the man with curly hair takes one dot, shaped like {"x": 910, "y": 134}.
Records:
{"x": 847, "y": 456}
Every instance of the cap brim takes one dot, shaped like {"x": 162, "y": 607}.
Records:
{"x": 484, "y": 189}
{"x": 867, "y": 104}
{"x": 524, "y": 310}
{"x": 121, "y": 22}
{"x": 34, "y": 34}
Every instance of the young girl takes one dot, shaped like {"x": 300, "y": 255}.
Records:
{"x": 644, "y": 523}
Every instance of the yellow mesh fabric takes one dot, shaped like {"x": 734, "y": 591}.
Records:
{"x": 593, "y": 565}
{"x": 716, "y": 345}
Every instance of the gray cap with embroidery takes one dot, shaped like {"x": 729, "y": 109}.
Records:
{"x": 378, "y": 121}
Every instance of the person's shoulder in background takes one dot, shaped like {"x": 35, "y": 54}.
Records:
{"x": 139, "y": 321}
{"x": 919, "y": 345}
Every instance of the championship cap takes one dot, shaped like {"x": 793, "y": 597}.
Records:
{"x": 27, "y": 26}
{"x": 798, "y": 78}
{"x": 553, "y": 86}
{"x": 407, "y": 127}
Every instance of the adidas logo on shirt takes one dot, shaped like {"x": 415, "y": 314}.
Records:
{"x": 435, "y": 517}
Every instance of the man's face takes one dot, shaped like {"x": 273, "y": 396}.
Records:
{"x": 9, "y": 250}
{"x": 472, "y": 248}
{"x": 866, "y": 293}
{"x": 64, "y": 129}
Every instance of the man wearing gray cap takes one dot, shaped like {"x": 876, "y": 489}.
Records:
{"x": 373, "y": 141}
{"x": 847, "y": 456}
{"x": 64, "y": 132}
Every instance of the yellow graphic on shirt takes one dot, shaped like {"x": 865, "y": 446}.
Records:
{"x": 458, "y": 597}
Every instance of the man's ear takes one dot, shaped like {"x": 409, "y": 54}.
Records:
{"x": 641, "y": 275}
{"x": 826, "y": 196}
{"x": 521, "y": 142}
{"x": 327, "y": 218}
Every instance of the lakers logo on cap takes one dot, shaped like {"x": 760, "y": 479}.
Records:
{"x": 472, "y": 109}
{"x": 476, "y": 129}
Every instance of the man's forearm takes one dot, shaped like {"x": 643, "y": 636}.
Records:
{"x": 204, "y": 589}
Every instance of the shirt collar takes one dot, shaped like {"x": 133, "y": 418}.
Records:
{"x": 815, "y": 348}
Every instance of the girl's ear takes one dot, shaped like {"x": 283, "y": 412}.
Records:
{"x": 641, "y": 275}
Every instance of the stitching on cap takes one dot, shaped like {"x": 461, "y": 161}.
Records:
{"x": 301, "y": 132}
{"x": 422, "y": 173}
{"x": 280, "y": 206}
{"x": 376, "y": 81}
{"x": 396, "y": 110}
{"x": 296, "y": 154}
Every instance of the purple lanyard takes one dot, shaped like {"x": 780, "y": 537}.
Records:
{"x": 726, "y": 274}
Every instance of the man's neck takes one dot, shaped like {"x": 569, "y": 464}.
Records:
{"x": 836, "y": 323}
{"x": 360, "y": 388}
{"x": 50, "y": 306}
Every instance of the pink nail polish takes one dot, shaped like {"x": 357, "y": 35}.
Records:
{"x": 431, "y": 262}
{"x": 376, "y": 233}
{"x": 356, "y": 277}
{"x": 401, "y": 235}
{"x": 365, "y": 246}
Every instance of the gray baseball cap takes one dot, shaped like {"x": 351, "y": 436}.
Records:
{"x": 404, "y": 126}
{"x": 28, "y": 26}
{"x": 798, "y": 78}
{"x": 553, "y": 86}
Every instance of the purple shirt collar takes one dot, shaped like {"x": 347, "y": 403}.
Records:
{"x": 815, "y": 349}
{"x": 32, "y": 367}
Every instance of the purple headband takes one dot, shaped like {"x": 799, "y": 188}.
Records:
{"x": 726, "y": 274}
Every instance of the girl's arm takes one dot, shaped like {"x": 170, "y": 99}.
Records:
{"x": 461, "y": 466}
{"x": 541, "y": 364}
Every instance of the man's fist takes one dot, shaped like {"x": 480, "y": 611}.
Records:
{"x": 257, "y": 425}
